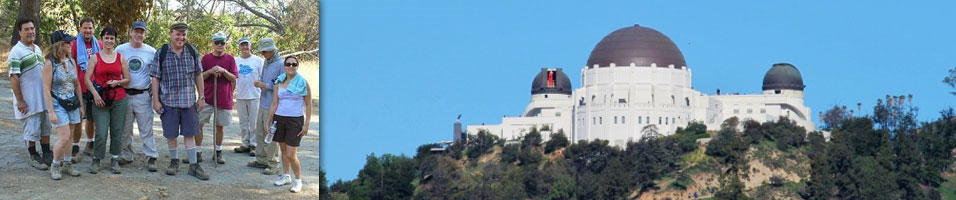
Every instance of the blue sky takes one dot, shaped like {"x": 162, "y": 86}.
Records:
{"x": 397, "y": 73}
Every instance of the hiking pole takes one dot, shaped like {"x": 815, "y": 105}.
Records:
{"x": 215, "y": 116}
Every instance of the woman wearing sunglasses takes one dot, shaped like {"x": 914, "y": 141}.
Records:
{"x": 292, "y": 97}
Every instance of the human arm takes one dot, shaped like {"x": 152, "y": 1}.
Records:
{"x": 308, "y": 111}
{"x": 272, "y": 111}
{"x": 47, "y": 84}
{"x": 200, "y": 97}
{"x": 88, "y": 78}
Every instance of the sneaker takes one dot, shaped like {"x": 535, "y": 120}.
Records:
{"x": 55, "y": 171}
{"x": 35, "y": 162}
{"x": 270, "y": 171}
{"x": 173, "y": 167}
{"x": 151, "y": 165}
{"x": 95, "y": 166}
{"x": 241, "y": 149}
{"x": 196, "y": 171}
{"x": 252, "y": 151}
{"x": 283, "y": 180}
{"x": 68, "y": 169}
{"x": 114, "y": 166}
{"x": 255, "y": 164}
{"x": 296, "y": 186}
{"x": 218, "y": 158}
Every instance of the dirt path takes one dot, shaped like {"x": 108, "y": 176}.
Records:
{"x": 230, "y": 181}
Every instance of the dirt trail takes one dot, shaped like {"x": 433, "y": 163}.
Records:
{"x": 230, "y": 181}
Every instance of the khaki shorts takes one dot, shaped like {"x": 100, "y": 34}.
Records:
{"x": 223, "y": 116}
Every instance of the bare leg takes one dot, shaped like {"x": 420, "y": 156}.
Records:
{"x": 171, "y": 143}
{"x": 77, "y": 132}
{"x": 219, "y": 136}
{"x": 89, "y": 128}
{"x": 198, "y": 137}
{"x": 45, "y": 140}
{"x": 285, "y": 160}
{"x": 290, "y": 152}
{"x": 62, "y": 146}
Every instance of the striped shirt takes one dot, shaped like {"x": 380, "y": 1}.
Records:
{"x": 28, "y": 64}
{"x": 177, "y": 78}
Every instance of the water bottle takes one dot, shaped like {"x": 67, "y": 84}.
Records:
{"x": 272, "y": 133}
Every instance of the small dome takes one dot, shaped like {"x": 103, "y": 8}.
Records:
{"x": 639, "y": 45}
{"x": 551, "y": 81}
{"x": 783, "y": 76}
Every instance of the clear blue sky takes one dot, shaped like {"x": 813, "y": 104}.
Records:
{"x": 397, "y": 73}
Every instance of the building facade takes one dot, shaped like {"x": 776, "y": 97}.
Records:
{"x": 636, "y": 83}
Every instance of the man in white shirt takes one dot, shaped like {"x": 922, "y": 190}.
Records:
{"x": 139, "y": 57}
{"x": 25, "y": 64}
{"x": 247, "y": 95}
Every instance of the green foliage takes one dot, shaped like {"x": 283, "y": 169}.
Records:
{"x": 323, "y": 186}
{"x": 480, "y": 143}
{"x": 509, "y": 154}
{"x": 558, "y": 140}
{"x": 731, "y": 188}
{"x": 119, "y": 14}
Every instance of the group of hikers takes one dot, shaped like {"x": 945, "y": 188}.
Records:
{"x": 88, "y": 79}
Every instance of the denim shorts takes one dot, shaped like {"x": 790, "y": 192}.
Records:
{"x": 65, "y": 117}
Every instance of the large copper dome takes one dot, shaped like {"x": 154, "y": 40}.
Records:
{"x": 639, "y": 45}
{"x": 783, "y": 76}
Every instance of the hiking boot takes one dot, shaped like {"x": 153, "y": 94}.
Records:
{"x": 270, "y": 171}
{"x": 35, "y": 162}
{"x": 283, "y": 180}
{"x": 68, "y": 169}
{"x": 296, "y": 186}
{"x": 218, "y": 158}
{"x": 173, "y": 167}
{"x": 241, "y": 149}
{"x": 89, "y": 149}
{"x": 196, "y": 171}
{"x": 95, "y": 166}
{"x": 198, "y": 158}
{"x": 151, "y": 165}
{"x": 114, "y": 165}
{"x": 124, "y": 161}
{"x": 252, "y": 151}
{"x": 55, "y": 171}
{"x": 255, "y": 164}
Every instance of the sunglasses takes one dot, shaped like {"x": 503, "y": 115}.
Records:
{"x": 292, "y": 64}
{"x": 220, "y": 43}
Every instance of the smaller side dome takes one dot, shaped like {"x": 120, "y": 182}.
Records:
{"x": 551, "y": 81}
{"x": 783, "y": 76}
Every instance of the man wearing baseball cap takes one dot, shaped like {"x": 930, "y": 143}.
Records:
{"x": 247, "y": 95}
{"x": 138, "y": 55}
{"x": 219, "y": 73}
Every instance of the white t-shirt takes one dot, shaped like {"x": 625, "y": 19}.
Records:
{"x": 28, "y": 64}
{"x": 249, "y": 70}
{"x": 139, "y": 60}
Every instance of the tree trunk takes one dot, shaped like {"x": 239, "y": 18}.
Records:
{"x": 28, "y": 9}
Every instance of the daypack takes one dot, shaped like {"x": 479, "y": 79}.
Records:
{"x": 189, "y": 48}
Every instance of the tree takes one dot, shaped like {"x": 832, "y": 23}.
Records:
{"x": 509, "y": 153}
{"x": 558, "y": 140}
{"x": 323, "y": 186}
{"x": 951, "y": 80}
{"x": 119, "y": 14}
{"x": 731, "y": 188}
{"x": 480, "y": 143}
{"x": 29, "y": 9}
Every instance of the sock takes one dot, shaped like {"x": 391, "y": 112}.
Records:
{"x": 192, "y": 155}
{"x": 172, "y": 154}
{"x": 45, "y": 148}
{"x": 115, "y": 157}
{"x": 32, "y": 150}
{"x": 56, "y": 162}
{"x": 218, "y": 147}
{"x": 298, "y": 180}
{"x": 76, "y": 144}
{"x": 287, "y": 175}
{"x": 68, "y": 159}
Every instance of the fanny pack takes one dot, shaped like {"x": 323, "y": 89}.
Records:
{"x": 104, "y": 94}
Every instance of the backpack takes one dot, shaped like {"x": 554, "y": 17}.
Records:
{"x": 162, "y": 59}
{"x": 189, "y": 48}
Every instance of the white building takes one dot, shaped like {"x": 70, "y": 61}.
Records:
{"x": 636, "y": 77}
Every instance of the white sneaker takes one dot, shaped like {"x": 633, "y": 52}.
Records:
{"x": 296, "y": 186}
{"x": 283, "y": 180}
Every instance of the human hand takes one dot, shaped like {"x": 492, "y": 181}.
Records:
{"x": 157, "y": 108}
{"x": 22, "y": 107}
{"x": 53, "y": 119}
{"x": 200, "y": 103}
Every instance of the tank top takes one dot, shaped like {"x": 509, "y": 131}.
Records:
{"x": 290, "y": 105}
{"x": 64, "y": 80}
{"x": 107, "y": 72}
